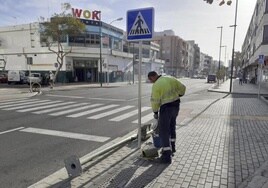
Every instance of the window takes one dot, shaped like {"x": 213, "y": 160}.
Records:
{"x": 85, "y": 39}
{"x": 266, "y": 7}
{"x": 265, "y": 35}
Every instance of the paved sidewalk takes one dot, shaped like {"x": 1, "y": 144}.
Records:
{"x": 225, "y": 146}
{"x": 251, "y": 89}
{"x": 241, "y": 89}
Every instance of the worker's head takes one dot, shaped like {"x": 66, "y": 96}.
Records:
{"x": 152, "y": 76}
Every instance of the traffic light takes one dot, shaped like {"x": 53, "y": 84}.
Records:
{"x": 229, "y": 2}
{"x": 209, "y": 1}
{"x": 222, "y": 2}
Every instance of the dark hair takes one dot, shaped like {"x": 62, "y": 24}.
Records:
{"x": 152, "y": 73}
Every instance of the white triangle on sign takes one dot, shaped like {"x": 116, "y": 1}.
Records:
{"x": 139, "y": 27}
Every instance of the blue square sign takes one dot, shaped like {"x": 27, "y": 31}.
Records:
{"x": 140, "y": 24}
{"x": 261, "y": 59}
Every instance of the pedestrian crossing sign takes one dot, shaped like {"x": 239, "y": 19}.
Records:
{"x": 261, "y": 59}
{"x": 140, "y": 24}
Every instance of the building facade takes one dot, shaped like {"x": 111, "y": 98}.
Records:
{"x": 174, "y": 51}
{"x": 193, "y": 58}
{"x": 150, "y": 57}
{"x": 20, "y": 42}
{"x": 256, "y": 43}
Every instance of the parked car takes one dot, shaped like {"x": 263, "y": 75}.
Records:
{"x": 35, "y": 78}
{"x": 211, "y": 78}
{"x": 3, "y": 78}
{"x": 194, "y": 77}
{"x": 16, "y": 76}
{"x": 201, "y": 76}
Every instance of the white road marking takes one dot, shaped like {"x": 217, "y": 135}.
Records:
{"x": 134, "y": 99}
{"x": 11, "y": 130}
{"x": 129, "y": 114}
{"x": 21, "y": 103}
{"x": 18, "y": 101}
{"x": 92, "y": 111}
{"x": 32, "y": 105}
{"x": 59, "y": 108}
{"x": 65, "y": 96}
{"x": 66, "y": 134}
{"x": 44, "y": 107}
{"x": 105, "y": 99}
{"x": 10, "y": 100}
{"x": 74, "y": 110}
{"x": 145, "y": 119}
{"x": 110, "y": 112}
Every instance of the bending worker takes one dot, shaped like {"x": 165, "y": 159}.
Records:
{"x": 165, "y": 102}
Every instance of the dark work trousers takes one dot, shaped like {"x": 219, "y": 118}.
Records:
{"x": 167, "y": 124}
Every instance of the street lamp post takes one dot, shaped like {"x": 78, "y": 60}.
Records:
{"x": 100, "y": 76}
{"x": 220, "y": 48}
{"x": 224, "y": 59}
{"x": 232, "y": 64}
{"x": 219, "y": 56}
{"x": 111, "y": 47}
{"x": 224, "y": 53}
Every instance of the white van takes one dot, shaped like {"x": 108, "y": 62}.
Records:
{"x": 35, "y": 78}
{"x": 16, "y": 76}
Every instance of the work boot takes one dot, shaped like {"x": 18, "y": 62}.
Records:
{"x": 165, "y": 158}
{"x": 173, "y": 148}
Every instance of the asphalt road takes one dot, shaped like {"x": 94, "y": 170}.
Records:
{"x": 37, "y": 134}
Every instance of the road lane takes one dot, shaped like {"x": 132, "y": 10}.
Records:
{"x": 29, "y": 156}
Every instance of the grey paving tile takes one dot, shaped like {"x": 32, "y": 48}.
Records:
{"x": 219, "y": 152}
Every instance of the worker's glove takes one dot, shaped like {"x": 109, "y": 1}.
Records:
{"x": 155, "y": 115}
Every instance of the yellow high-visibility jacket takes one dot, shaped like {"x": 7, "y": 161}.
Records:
{"x": 166, "y": 89}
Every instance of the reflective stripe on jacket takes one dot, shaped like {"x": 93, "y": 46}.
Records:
{"x": 166, "y": 89}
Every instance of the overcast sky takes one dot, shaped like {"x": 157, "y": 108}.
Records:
{"x": 189, "y": 19}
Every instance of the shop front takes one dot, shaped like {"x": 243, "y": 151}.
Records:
{"x": 85, "y": 70}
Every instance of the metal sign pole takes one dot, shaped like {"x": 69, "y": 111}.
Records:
{"x": 31, "y": 89}
{"x": 261, "y": 62}
{"x": 139, "y": 96}
{"x": 260, "y": 78}
{"x": 29, "y": 63}
{"x": 140, "y": 27}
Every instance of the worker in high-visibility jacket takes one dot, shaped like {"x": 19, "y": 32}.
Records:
{"x": 165, "y": 102}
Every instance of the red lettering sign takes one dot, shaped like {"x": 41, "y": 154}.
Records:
{"x": 96, "y": 15}
{"x": 77, "y": 12}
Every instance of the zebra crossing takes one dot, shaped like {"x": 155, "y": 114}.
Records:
{"x": 71, "y": 109}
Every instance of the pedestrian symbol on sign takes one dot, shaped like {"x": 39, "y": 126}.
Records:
{"x": 261, "y": 59}
{"x": 139, "y": 27}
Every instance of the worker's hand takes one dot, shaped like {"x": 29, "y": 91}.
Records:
{"x": 156, "y": 115}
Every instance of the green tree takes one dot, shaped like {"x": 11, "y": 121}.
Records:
{"x": 221, "y": 73}
{"x": 55, "y": 32}
{"x": 237, "y": 61}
